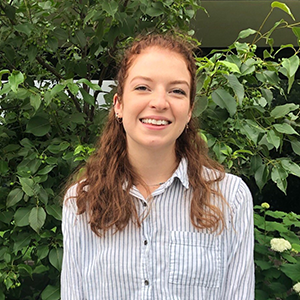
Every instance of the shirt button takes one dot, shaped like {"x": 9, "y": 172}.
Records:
{"x": 146, "y": 282}
{"x": 144, "y": 203}
{"x": 145, "y": 242}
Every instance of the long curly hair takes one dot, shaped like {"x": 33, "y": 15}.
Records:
{"x": 101, "y": 188}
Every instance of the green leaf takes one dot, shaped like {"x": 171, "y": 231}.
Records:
{"x": 279, "y": 175}
{"x": 219, "y": 149}
{"x": 14, "y": 197}
{"x": 154, "y": 12}
{"x": 93, "y": 86}
{"x": 283, "y": 7}
{"x": 285, "y": 128}
{"x": 295, "y": 146}
{"x": 37, "y": 218}
{"x": 296, "y": 247}
{"x": 296, "y": 31}
{"x": 55, "y": 258}
{"x": 251, "y": 129}
{"x": 89, "y": 99}
{"x": 22, "y": 216}
{"x": 46, "y": 170}
{"x": 273, "y": 138}
{"x": 291, "y": 167}
{"x": 248, "y": 67}
{"x": 291, "y": 66}
{"x": 231, "y": 66}
{"x": 110, "y": 6}
{"x": 51, "y": 293}
{"x": 38, "y": 126}
{"x": 54, "y": 211}
{"x": 268, "y": 77}
{"x": 282, "y": 110}
{"x": 255, "y": 163}
{"x": 73, "y": 87}
{"x": 6, "y": 216}
{"x": 24, "y": 28}
{"x": 32, "y": 53}
{"x": 58, "y": 148}
{"x": 277, "y": 287}
{"x": 15, "y": 79}
{"x": 42, "y": 251}
{"x": 28, "y": 186}
{"x": 3, "y": 167}
{"x": 35, "y": 101}
{"x": 274, "y": 226}
{"x": 81, "y": 38}
{"x": 276, "y": 214}
{"x": 200, "y": 105}
{"x": 21, "y": 241}
{"x": 264, "y": 265}
{"x": 2, "y": 72}
{"x": 222, "y": 98}
{"x": 292, "y": 271}
{"x": 261, "y": 176}
{"x": 26, "y": 143}
{"x": 245, "y": 33}
{"x": 237, "y": 87}
{"x": 26, "y": 268}
{"x": 57, "y": 89}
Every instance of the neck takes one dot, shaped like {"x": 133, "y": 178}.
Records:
{"x": 153, "y": 166}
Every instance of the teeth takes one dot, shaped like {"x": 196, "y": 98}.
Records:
{"x": 155, "y": 122}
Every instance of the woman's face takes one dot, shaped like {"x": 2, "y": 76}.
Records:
{"x": 155, "y": 105}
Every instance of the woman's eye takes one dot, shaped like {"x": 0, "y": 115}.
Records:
{"x": 141, "y": 88}
{"x": 179, "y": 91}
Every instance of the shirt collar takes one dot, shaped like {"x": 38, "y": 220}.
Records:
{"x": 181, "y": 174}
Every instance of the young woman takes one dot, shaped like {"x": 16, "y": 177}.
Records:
{"x": 153, "y": 217}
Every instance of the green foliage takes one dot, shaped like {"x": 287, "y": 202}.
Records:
{"x": 241, "y": 120}
{"x": 276, "y": 271}
{"x": 50, "y": 51}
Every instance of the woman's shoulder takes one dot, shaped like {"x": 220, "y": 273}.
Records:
{"x": 233, "y": 188}
{"x": 70, "y": 198}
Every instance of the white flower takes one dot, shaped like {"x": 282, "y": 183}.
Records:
{"x": 280, "y": 245}
{"x": 296, "y": 288}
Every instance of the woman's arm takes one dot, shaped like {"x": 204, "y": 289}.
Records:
{"x": 240, "y": 276}
{"x": 71, "y": 277}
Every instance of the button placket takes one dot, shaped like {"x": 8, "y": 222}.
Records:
{"x": 146, "y": 250}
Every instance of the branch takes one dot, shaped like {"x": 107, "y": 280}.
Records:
{"x": 60, "y": 77}
{"x": 48, "y": 67}
{"x": 76, "y": 103}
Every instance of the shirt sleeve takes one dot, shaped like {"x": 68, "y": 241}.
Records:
{"x": 71, "y": 277}
{"x": 239, "y": 283}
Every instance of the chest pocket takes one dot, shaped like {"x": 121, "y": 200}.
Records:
{"x": 195, "y": 259}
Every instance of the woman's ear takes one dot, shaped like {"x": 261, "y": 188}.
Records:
{"x": 118, "y": 107}
{"x": 190, "y": 113}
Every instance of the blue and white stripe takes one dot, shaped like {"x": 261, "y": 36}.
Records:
{"x": 167, "y": 258}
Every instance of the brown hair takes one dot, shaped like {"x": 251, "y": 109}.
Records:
{"x": 101, "y": 191}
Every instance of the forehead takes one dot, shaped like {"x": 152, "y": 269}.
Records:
{"x": 158, "y": 59}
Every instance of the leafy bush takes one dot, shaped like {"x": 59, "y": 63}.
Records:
{"x": 277, "y": 253}
{"x": 50, "y": 117}
{"x": 256, "y": 138}
{"x": 49, "y": 127}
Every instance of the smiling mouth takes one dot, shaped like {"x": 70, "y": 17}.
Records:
{"x": 155, "y": 122}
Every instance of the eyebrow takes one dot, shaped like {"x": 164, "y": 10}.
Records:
{"x": 149, "y": 79}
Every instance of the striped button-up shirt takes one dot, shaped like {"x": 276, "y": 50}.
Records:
{"x": 167, "y": 258}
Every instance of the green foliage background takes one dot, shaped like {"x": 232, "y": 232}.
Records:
{"x": 48, "y": 129}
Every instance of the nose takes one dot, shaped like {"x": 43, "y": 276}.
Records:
{"x": 159, "y": 100}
